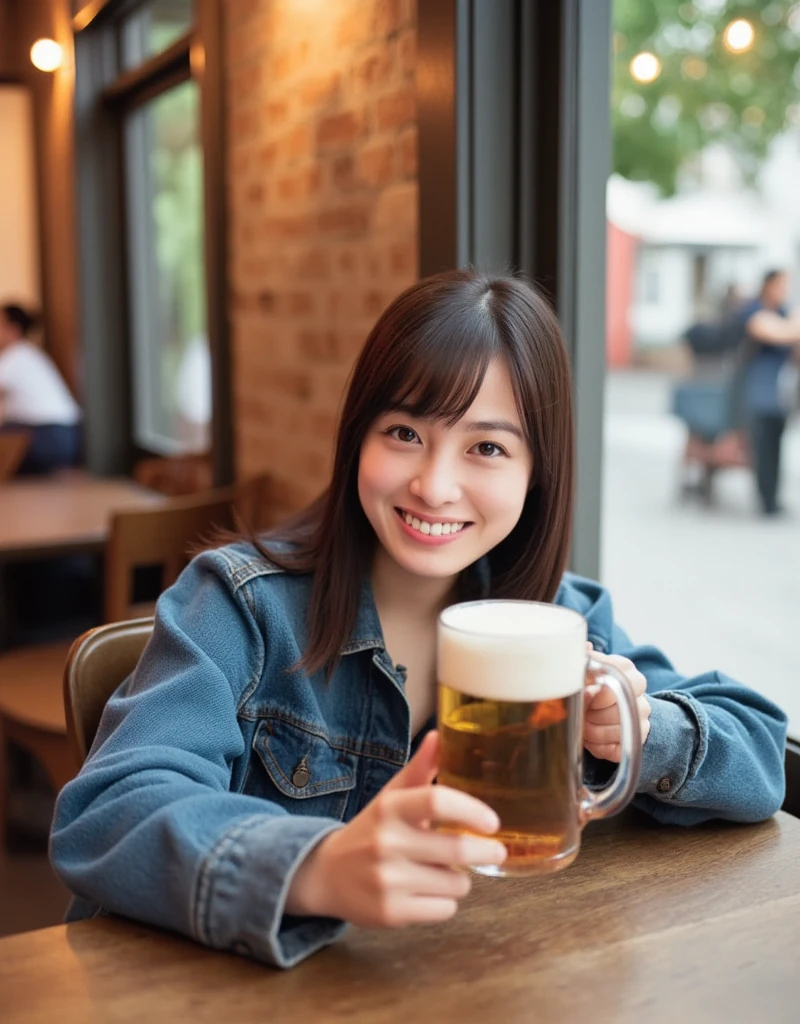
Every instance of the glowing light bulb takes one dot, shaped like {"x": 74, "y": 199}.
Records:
{"x": 46, "y": 55}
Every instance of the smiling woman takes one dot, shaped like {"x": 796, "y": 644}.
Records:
{"x": 273, "y": 755}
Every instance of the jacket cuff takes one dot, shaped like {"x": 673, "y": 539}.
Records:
{"x": 674, "y": 747}
{"x": 244, "y": 884}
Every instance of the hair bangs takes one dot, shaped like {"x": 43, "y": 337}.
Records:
{"x": 444, "y": 369}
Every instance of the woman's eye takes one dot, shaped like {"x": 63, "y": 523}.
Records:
{"x": 489, "y": 449}
{"x": 404, "y": 434}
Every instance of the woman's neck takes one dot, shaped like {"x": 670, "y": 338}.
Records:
{"x": 420, "y": 597}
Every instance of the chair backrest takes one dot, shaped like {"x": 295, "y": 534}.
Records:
{"x": 13, "y": 445}
{"x": 101, "y": 659}
{"x": 166, "y": 535}
{"x": 96, "y": 664}
{"x": 175, "y": 474}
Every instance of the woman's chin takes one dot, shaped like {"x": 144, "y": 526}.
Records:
{"x": 430, "y": 563}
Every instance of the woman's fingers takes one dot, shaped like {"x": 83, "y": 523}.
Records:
{"x": 598, "y": 722}
{"x": 440, "y": 804}
{"x": 403, "y": 910}
{"x": 428, "y": 880}
{"x": 624, "y": 665}
{"x": 605, "y": 751}
{"x": 421, "y": 769}
{"x": 451, "y": 849}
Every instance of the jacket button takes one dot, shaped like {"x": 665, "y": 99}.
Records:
{"x": 664, "y": 785}
{"x": 301, "y": 776}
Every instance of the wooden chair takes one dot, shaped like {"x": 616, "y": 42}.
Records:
{"x": 31, "y": 704}
{"x": 13, "y": 445}
{"x": 96, "y": 664}
{"x": 175, "y": 474}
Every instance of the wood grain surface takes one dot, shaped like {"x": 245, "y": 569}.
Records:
{"x": 651, "y": 924}
{"x": 64, "y": 513}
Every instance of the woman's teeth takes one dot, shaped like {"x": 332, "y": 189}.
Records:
{"x": 434, "y": 529}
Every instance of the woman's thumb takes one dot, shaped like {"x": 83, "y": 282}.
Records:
{"x": 422, "y": 768}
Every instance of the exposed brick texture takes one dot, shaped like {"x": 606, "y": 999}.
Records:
{"x": 322, "y": 164}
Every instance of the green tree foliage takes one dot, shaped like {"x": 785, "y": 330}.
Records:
{"x": 704, "y": 93}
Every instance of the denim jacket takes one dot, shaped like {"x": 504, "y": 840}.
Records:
{"x": 217, "y": 768}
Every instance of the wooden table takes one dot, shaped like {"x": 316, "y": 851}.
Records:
{"x": 63, "y": 514}
{"x": 650, "y": 924}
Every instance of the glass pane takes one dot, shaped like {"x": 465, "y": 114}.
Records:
{"x": 703, "y": 204}
{"x": 152, "y": 28}
{"x": 171, "y": 366}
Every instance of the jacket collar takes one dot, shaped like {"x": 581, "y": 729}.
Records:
{"x": 367, "y": 633}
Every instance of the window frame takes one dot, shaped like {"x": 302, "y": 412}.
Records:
{"x": 105, "y": 93}
{"x": 514, "y": 155}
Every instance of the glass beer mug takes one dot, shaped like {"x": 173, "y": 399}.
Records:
{"x": 512, "y": 677}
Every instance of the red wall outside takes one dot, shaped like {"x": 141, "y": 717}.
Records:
{"x": 620, "y": 267}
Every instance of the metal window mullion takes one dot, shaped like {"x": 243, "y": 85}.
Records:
{"x": 585, "y": 162}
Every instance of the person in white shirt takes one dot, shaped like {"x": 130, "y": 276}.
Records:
{"x": 35, "y": 398}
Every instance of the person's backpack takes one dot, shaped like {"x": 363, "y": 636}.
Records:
{"x": 706, "y": 339}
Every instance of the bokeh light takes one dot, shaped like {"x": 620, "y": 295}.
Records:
{"x": 645, "y": 67}
{"x": 739, "y": 35}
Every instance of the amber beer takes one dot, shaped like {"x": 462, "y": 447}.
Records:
{"x": 511, "y": 681}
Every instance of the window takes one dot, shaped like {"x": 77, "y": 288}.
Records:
{"x": 152, "y": 28}
{"x": 152, "y": 224}
{"x": 164, "y": 179}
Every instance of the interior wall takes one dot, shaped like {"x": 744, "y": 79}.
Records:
{"x": 52, "y": 96}
{"x": 322, "y": 172}
{"x": 19, "y": 255}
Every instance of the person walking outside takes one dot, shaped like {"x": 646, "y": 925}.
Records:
{"x": 773, "y": 345}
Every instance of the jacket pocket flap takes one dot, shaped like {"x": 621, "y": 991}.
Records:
{"x": 302, "y": 763}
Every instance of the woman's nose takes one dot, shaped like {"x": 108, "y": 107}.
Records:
{"x": 436, "y": 484}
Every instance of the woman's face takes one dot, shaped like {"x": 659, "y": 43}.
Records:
{"x": 439, "y": 497}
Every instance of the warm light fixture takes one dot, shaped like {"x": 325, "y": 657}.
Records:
{"x": 46, "y": 55}
{"x": 645, "y": 67}
{"x": 739, "y": 35}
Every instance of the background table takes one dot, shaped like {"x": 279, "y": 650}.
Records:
{"x": 650, "y": 924}
{"x": 63, "y": 514}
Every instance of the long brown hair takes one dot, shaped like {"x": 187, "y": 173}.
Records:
{"x": 429, "y": 352}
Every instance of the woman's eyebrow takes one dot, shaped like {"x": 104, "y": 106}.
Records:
{"x": 493, "y": 425}
{"x": 476, "y": 427}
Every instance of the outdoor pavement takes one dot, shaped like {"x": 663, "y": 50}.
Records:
{"x": 715, "y": 586}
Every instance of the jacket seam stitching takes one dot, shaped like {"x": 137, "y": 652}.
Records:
{"x": 218, "y": 851}
{"x": 340, "y": 743}
{"x": 686, "y": 702}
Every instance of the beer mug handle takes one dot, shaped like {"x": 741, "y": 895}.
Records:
{"x": 622, "y": 788}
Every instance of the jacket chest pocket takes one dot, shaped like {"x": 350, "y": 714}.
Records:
{"x": 303, "y": 772}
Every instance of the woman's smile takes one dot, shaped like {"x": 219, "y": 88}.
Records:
{"x": 429, "y": 530}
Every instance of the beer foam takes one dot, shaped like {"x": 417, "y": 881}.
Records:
{"x": 512, "y": 650}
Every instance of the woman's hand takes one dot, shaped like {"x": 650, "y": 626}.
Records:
{"x": 388, "y": 867}
{"x": 601, "y": 729}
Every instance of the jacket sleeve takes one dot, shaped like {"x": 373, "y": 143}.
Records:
{"x": 715, "y": 749}
{"x": 149, "y": 828}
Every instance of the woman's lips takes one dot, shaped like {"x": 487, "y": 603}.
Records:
{"x": 426, "y": 538}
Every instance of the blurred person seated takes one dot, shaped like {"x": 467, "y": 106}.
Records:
{"x": 35, "y": 398}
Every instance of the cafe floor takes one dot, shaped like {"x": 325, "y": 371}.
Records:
{"x": 30, "y": 894}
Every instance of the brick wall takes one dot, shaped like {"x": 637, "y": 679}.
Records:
{"x": 323, "y": 215}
